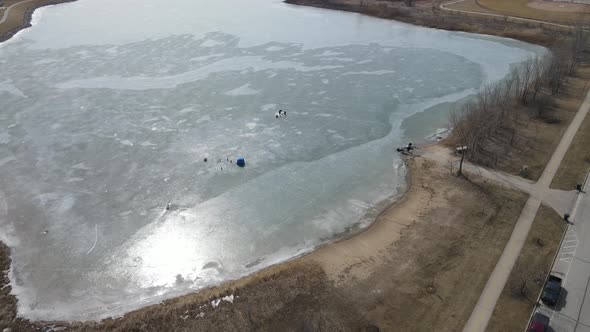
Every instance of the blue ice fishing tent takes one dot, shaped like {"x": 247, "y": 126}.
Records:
{"x": 241, "y": 162}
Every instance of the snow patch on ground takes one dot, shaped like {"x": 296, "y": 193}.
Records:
{"x": 228, "y": 298}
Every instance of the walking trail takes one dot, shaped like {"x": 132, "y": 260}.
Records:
{"x": 445, "y": 5}
{"x": 539, "y": 192}
{"x": 8, "y": 9}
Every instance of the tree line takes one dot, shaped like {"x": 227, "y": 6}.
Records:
{"x": 493, "y": 111}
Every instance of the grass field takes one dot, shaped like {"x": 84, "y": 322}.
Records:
{"x": 516, "y": 302}
{"x": 576, "y": 162}
{"x": 520, "y": 8}
{"x": 469, "y": 5}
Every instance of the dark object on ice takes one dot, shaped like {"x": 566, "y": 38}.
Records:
{"x": 579, "y": 188}
{"x": 205, "y": 160}
{"x": 400, "y": 150}
{"x": 241, "y": 162}
{"x": 566, "y": 217}
{"x": 409, "y": 147}
{"x": 168, "y": 205}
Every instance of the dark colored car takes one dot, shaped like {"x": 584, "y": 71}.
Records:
{"x": 540, "y": 323}
{"x": 551, "y": 291}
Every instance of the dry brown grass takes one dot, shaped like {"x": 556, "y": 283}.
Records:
{"x": 20, "y": 16}
{"x": 294, "y": 296}
{"x": 576, "y": 162}
{"x": 470, "y": 5}
{"x": 8, "y": 307}
{"x": 421, "y": 286}
{"x": 8, "y": 302}
{"x": 519, "y": 8}
{"x": 529, "y": 139}
{"x": 421, "y": 283}
{"x": 423, "y": 14}
{"x": 513, "y": 309}
{"x": 540, "y": 137}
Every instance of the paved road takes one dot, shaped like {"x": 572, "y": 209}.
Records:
{"x": 572, "y": 312}
{"x": 484, "y": 308}
{"x": 445, "y": 5}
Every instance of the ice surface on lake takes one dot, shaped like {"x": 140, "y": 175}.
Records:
{"x": 102, "y": 124}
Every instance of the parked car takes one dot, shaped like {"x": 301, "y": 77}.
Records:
{"x": 540, "y": 323}
{"x": 551, "y": 291}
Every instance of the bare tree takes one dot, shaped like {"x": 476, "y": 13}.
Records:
{"x": 557, "y": 69}
{"x": 539, "y": 76}
{"x": 579, "y": 40}
{"x": 527, "y": 72}
{"x": 506, "y": 96}
{"x": 491, "y": 114}
{"x": 470, "y": 126}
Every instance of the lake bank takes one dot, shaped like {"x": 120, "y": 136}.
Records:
{"x": 428, "y": 14}
{"x": 337, "y": 267}
{"x": 18, "y": 15}
{"x": 409, "y": 262}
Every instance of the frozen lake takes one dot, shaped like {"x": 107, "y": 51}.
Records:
{"x": 108, "y": 108}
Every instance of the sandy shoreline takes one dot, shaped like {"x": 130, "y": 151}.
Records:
{"x": 21, "y": 14}
{"x": 354, "y": 263}
{"x": 401, "y": 266}
{"x": 361, "y": 264}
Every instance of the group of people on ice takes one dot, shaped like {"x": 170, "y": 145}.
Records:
{"x": 280, "y": 114}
